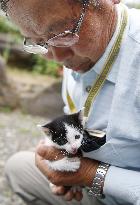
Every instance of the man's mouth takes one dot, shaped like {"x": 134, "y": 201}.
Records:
{"x": 76, "y": 68}
{"x": 80, "y": 68}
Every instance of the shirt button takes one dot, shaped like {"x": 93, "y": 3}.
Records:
{"x": 88, "y": 88}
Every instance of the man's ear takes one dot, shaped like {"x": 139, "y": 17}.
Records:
{"x": 116, "y": 1}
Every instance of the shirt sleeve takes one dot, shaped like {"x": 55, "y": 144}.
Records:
{"x": 123, "y": 184}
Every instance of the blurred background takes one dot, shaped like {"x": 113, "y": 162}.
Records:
{"x": 30, "y": 93}
{"x": 27, "y": 81}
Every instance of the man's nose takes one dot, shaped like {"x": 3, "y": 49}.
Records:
{"x": 59, "y": 54}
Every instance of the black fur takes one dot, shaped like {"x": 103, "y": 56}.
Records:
{"x": 59, "y": 134}
{"x": 57, "y": 128}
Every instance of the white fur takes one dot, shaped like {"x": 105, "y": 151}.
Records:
{"x": 72, "y": 142}
{"x": 65, "y": 164}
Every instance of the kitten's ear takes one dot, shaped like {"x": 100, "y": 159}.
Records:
{"x": 81, "y": 116}
{"x": 44, "y": 129}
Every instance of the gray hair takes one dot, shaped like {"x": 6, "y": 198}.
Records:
{"x": 3, "y": 3}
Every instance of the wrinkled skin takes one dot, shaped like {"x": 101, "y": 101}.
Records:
{"x": 41, "y": 20}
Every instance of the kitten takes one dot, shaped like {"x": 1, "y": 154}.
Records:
{"x": 66, "y": 133}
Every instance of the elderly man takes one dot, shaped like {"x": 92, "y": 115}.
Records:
{"x": 98, "y": 42}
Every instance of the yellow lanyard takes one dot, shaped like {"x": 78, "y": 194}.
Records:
{"x": 98, "y": 84}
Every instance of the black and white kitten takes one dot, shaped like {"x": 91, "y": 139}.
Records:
{"x": 66, "y": 133}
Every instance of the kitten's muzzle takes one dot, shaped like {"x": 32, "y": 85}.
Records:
{"x": 74, "y": 150}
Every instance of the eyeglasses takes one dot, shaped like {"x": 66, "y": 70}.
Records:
{"x": 65, "y": 39}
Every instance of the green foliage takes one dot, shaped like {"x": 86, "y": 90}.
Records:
{"x": 24, "y": 130}
{"x": 43, "y": 66}
{"x": 6, "y": 54}
{"x": 53, "y": 68}
{"x": 5, "y": 109}
{"x": 7, "y": 27}
{"x": 132, "y": 5}
{"x": 137, "y": 6}
{"x": 39, "y": 64}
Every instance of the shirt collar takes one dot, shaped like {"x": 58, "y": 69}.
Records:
{"x": 100, "y": 63}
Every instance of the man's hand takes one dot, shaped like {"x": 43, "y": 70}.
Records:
{"x": 67, "y": 193}
{"x": 82, "y": 177}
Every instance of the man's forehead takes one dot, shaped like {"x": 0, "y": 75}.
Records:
{"x": 39, "y": 16}
{"x": 54, "y": 5}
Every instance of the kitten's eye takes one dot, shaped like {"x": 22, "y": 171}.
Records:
{"x": 77, "y": 137}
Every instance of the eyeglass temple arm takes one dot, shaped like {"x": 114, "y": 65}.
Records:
{"x": 80, "y": 21}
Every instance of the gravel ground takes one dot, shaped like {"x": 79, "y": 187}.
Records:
{"x": 17, "y": 132}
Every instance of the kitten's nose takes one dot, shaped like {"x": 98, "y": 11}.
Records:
{"x": 74, "y": 150}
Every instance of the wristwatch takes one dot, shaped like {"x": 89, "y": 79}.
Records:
{"x": 98, "y": 182}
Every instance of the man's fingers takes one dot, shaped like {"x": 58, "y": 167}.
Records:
{"x": 39, "y": 162}
{"x": 69, "y": 195}
{"x": 49, "y": 153}
{"x": 42, "y": 141}
{"x": 58, "y": 190}
{"x": 73, "y": 195}
{"x": 42, "y": 165}
{"x": 55, "y": 177}
{"x": 78, "y": 195}
{"x": 67, "y": 191}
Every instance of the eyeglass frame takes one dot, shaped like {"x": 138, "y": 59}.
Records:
{"x": 73, "y": 31}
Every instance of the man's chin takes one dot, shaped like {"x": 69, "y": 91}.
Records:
{"x": 78, "y": 69}
{"x": 81, "y": 68}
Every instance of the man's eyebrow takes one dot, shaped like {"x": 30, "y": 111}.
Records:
{"x": 60, "y": 24}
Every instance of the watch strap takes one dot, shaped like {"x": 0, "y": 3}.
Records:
{"x": 98, "y": 181}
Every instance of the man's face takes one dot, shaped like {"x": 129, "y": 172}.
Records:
{"x": 40, "y": 20}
